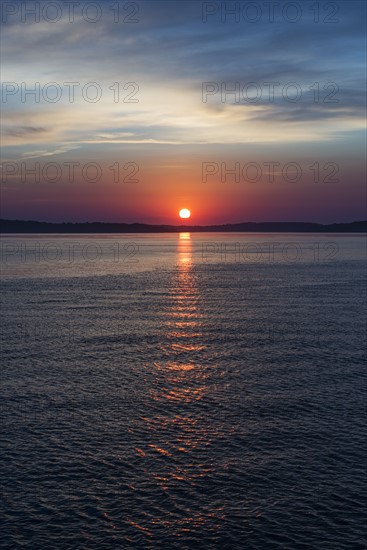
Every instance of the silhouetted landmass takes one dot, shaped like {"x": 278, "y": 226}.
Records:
{"x": 22, "y": 226}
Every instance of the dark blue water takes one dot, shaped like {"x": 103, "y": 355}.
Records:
{"x": 187, "y": 400}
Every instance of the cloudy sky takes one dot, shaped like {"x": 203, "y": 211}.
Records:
{"x": 239, "y": 111}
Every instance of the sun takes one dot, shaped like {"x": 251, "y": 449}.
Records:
{"x": 184, "y": 213}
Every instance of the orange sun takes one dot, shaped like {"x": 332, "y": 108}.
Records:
{"x": 184, "y": 213}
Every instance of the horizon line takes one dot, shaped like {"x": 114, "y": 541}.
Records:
{"x": 13, "y": 220}
{"x": 34, "y": 226}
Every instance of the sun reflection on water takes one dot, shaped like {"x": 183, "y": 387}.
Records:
{"x": 179, "y": 429}
{"x": 184, "y": 335}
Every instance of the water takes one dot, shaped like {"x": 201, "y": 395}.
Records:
{"x": 183, "y": 391}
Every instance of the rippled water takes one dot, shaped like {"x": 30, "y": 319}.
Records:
{"x": 189, "y": 391}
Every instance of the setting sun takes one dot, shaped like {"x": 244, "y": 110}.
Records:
{"x": 184, "y": 213}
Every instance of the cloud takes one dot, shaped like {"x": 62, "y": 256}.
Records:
{"x": 22, "y": 131}
{"x": 169, "y": 53}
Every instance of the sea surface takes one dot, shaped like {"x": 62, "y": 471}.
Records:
{"x": 183, "y": 391}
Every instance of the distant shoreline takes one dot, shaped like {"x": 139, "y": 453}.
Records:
{"x": 22, "y": 226}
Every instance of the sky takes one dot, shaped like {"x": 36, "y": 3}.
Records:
{"x": 238, "y": 111}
